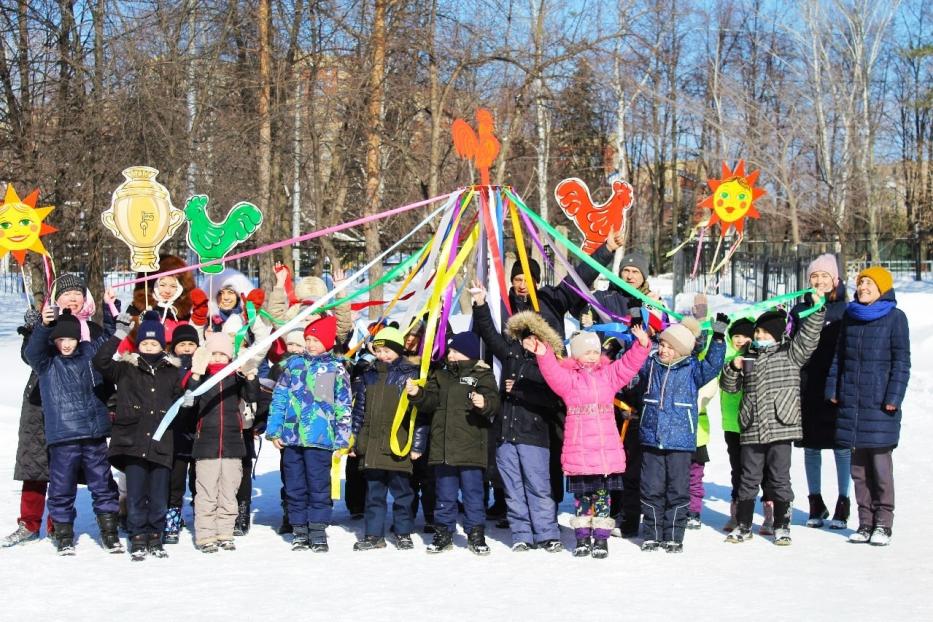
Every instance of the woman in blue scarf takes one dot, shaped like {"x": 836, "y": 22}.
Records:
{"x": 868, "y": 380}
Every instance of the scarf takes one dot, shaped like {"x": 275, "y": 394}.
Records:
{"x": 869, "y": 313}
{"x": 85, "y": 313}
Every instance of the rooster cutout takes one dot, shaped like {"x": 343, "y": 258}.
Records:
{"x": 212, "y": 240}
{"x": 733, "y": 198}
{"x": 480, "y": 146}
{"x": 594, "y": 221}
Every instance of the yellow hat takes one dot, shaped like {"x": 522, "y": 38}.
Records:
{"x": 879, "y": 275}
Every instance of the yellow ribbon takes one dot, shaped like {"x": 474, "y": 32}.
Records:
{"x": 335, "y": 468}
{"x": 523, "y": 256}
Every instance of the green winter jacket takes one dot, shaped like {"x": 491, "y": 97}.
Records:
{"x": 459, "y": 433}
{"x": 730, "y": 403}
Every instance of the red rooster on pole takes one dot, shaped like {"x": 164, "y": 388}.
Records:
{"x": 481, "y": 146}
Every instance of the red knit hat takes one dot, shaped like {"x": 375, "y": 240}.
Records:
{"x": 324, "y": 330}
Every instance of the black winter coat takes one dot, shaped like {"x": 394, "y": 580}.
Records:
{"x": 818, "y": 415}
{"x": 530, "y": 409}
{"x": 144, "y": 393}
{"x": 219, "y": 430}
{"x": 459, "y": 432}
{"x": 376, "y": 394}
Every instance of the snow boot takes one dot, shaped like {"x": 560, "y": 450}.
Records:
{"x": 673, "y": 547}
{"x": 476, "y": 541}
{"x": 172, "y": 525}
{"x": 862, "y": 536}
{"x": 841, "y": 515}
{"x": 226, "y": 545}
{"x": 600, "y": 548}
{"x": 242, "y": 523}
{"x": 21, "y": 536}
{"x": 139, "y": 547}
{"x": 64, "y": 538}
{"x": 744, "y": 511}
{"x": 208, "y": 548}
{"x": 782, "y": 512}
{"x": 602, "y": 530}
{"x": 155, "y": 546}
{"x": 741, "y": 533}
{"x": 370, "y": 543}
{"x": 693, "y": 520}
{"x": 584, "y": 547}
{"x": 649, "y": 546}
{"x": 521, "y": 547}
{"x": 403, "y": 542}
{"x": 552, "y": 546}
{"x": 767, "y": 526}
{"x": 286, "y": 526}
{"x": 732, "y": 522}
{"x": 443, "y": 540}
{"x": 628, "y": 528}
{"x": 881, "y": 536}
{"x": 818, "y": 511}
{"x": 109, "y": 534}
{"x": 300, "y": 538}
{"x": 317, "y": 538}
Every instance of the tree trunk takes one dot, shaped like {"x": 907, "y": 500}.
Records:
{"x": 264, "y": 154}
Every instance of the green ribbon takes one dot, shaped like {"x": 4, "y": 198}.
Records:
{"x": 614, "y": 279}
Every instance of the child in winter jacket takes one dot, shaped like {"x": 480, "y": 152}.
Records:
{"x": 147, "y": 383}
{"x": 670, "y": 381}
{"x": 593, "y": 456}
{"x": 740, "y": 338}
{"x": 185, "y": 342}
{"x": 868, "y": 380}
{"x": 76, "y": 426}
{"x": 376, "y": 395}
{"x": 769, "y": 375}
{"x": 218, "y": 443}
{"x": 456, "y": 408}
{"x": 310, "y": 419}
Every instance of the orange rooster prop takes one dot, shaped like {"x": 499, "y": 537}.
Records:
{"x": 481, "y": 146}
{"x": 594, "y": 221}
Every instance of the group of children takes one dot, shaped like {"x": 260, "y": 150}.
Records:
{"x": 460, "y": 420}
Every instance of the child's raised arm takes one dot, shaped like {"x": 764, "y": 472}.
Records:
{"x": 556, "y": 377}
{"x": 807, "y": 338}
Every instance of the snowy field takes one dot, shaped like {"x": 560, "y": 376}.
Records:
{"x": 820, "y": 577}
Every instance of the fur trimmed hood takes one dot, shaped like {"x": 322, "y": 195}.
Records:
{"x": 532, "y": 322}
{"x": 133, "y": 359}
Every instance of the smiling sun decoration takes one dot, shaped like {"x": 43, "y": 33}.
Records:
{"x": 21, "y": 225}
{"x": 733, "y": 198}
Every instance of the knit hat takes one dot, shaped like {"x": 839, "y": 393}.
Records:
{"x": 219, "y": 342}
{"x": 391, "y": 338}
{"x": 296, "y": 337}
{"x": 635, "y": 260}
{"x": 680, "y": 338}
{"x": 184, "y": 332}
{"x": 583, "y": 342}
{"x": 742, "y": 326}
{"x": 324, "y": 330}
{"x": 773, "y": 322}
{"x": 151, "y": 328}
{"x": 879, "y": 275}
{"x": 66, "y": 327}
{"x": 466, "y": 343}
{"x": 533, "y": 267}
{"x": 693, "y": 325}
{"x": 825, "y": 263}
{"x": 68, "y": 283}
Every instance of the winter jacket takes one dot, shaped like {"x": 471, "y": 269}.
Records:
{"x": 459, "y": 432}
{"x": 70, "y": 405}
{"x": 311, "y": 403}
{"x": 530, "y": 409}
{"x": 184, "y": 424}
{"x": 730, "y": 402}
{"x": 770, "y": 410}
{"x": 376, "y": 394}
{"x": 219, "y": 427}
{"x": 870, "y": 369}
{"x": 144, "y": 393}
{"x": 591, "y": 439}
{"x": 670, "y": 412}
{"x": 818, "y": 415}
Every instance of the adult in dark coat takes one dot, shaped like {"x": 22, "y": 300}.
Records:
{"x": 868, "y": 380}
{"x": 32, "y": 461}
{"x": 818, "y": 415}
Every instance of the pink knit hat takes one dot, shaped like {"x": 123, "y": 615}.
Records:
{"x": 825, "y": 263}
{"x": 219, "y": 342}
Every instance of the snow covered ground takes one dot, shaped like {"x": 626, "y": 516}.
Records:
{"x": 820, "y": 577}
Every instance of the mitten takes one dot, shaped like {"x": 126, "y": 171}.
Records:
{"x": 720, "y": 326}
{"x": 188, "y": 400}
{"x": 124, "y": 324}
{"x": 30, "y": 319}
{"x": 257, "y": 297}
{"x": 199, "y": 308}
{"x": 199, "y": 361}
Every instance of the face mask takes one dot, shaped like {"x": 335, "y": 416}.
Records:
{"x": 763, "y": 343}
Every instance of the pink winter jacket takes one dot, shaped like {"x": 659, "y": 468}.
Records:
{"x": 591, "y": 439}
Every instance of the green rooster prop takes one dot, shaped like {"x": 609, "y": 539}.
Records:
{"x": 212, "y": 240}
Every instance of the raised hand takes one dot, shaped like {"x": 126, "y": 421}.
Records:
{"x": 124, "y": 323}
{"x": 477, "y": 292}
{"x": 199, "y": 361}
{"x": 639, "y": 333}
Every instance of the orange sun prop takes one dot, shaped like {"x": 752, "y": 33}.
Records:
{"x": 21, "y": 225}
{"x": 733, "y": 198}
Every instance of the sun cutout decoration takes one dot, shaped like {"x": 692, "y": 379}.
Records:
{"x": 21, "y": 225}
{"x": 733, "y": 198}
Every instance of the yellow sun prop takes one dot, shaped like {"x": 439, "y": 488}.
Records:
{"x": 21, "y": 225}
{"x": 733, "y": 198}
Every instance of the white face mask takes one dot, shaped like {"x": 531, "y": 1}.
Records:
{"x": 763, "y": 343}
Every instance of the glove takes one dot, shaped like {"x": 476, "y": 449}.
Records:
{"x": 187, "y": 401}
{"x": 257, "y": 297}
{"x": 199, "y": 361}
{"x": 31, "y": 318}
{"x": 199, "y": 308}
{"x": 720, "y": 325}
{"x": 124, "y": 324}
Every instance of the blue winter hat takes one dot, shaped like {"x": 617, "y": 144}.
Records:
{"x": 466, "y": 343}
{"x": 151, "y": 328}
